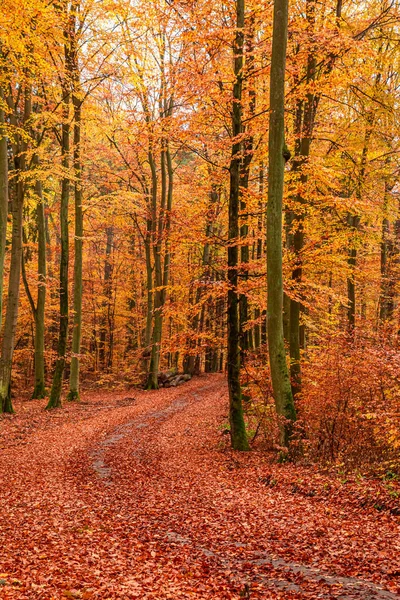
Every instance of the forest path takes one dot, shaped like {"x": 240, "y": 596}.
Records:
{"x": 141, "y": 498}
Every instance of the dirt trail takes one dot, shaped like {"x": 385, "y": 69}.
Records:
{"x": 142, "y": 499}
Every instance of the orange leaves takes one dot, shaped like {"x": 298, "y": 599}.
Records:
{"x": 178, "y": 515}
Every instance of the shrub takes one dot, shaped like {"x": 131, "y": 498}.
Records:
{"x": 350, "y": 405}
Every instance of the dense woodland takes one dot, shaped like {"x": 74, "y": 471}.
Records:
{"x": 182, "y": 191}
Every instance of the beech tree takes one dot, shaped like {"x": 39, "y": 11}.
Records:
{"x": 3, "y": 194}
{"x": 76, "y": 98}
{"x": 20, "y": 147}
{"x": 278, "y": 155}
{"x": 238, "y": 430}
{"x": 56, "y": 388}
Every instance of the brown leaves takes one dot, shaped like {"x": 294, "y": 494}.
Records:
{"x": 175, "y": 516}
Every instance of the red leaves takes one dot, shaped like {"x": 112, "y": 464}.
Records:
{"x": 174, "y": 515}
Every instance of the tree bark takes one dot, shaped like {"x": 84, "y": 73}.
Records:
{"x": 237, "y": 425}
{"x": 78, "y": 241}
{"x": 40, "y": 387}
{"x": 304, "y": 126}
{"x": 259, "y": 248}
{"x": 55, "y": 394}
{"x": 192, "y": 360}
{"x": 107, "y": 290}
{"x": 10, "y": 324}
{"x": 152, "y": 379}
{"x": 277, "y": 157}
{"x": 20, "y": 147}
{"x": 246, "y": 333}
{"x": 389, "y": 260}
{"x": 3, "y": 199}
{"x": 354, "y": 224}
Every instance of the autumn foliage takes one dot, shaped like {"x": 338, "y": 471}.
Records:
{"x": 120, "y": 132}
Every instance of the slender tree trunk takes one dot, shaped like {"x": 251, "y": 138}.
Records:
{"x": 246, "y": 334}
{"x": 238, "y": 429}
{"x": 10, "y": 324}
{"x": 20, "y": 147}
{"x": 108, "y": 273}
{"x": 278, "y": 154}
{"x": 259, "y": 249}
{"x": 192, "y": 361}
{"x": 3, "y": 199}
{"x": 78, "y": 242}
{"x": 40, "y": 388}
{"x": 354, "y": 224}
{"x": 389, "y": 251}
{"x": 304, "y": 126}
{"x": 152, "y": 379}
{"x": 149, "y": 305}
{"x": 55, "y": 394}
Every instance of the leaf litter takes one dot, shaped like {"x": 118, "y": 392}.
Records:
{"x": 110, "y": 499}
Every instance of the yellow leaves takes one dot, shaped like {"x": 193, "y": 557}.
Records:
{"x": 394, "y": 437}
{"x": 72, "y": 594}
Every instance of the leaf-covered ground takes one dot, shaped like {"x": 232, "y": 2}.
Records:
{"x": 138, "y": 496}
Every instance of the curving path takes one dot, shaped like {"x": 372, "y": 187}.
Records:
{"x": 140, "y": 498}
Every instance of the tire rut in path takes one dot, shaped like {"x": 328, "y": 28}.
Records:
{"x": 121, "y": 431}
{"x": 344, "y": 588}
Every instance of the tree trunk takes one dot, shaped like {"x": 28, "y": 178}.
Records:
{"x": 3, "y": 199}
{"x": 246, "y": 334}
{"x": 20, "y": 147}
{"x": 78, "y": 242}
{"x": 108, "y": 272}
{"x": 149, "y": 304}
{"x": 304, "y": 126}
{"x": 238, "y": 429}
{"x": 354, "y": 223}
{"x": 152, "y": 378}
{"x": 40, "y": 388}
{"x": 389, "y": 252}
{"x": 277, "y": 156}
{"x": 55, "y": 394}
{"x": 10, "y": 324}
{"x": 259, "y": 249}
{"x": 192, "y": 361}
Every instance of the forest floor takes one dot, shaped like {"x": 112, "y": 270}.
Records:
{"x": 137, "y": 495}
